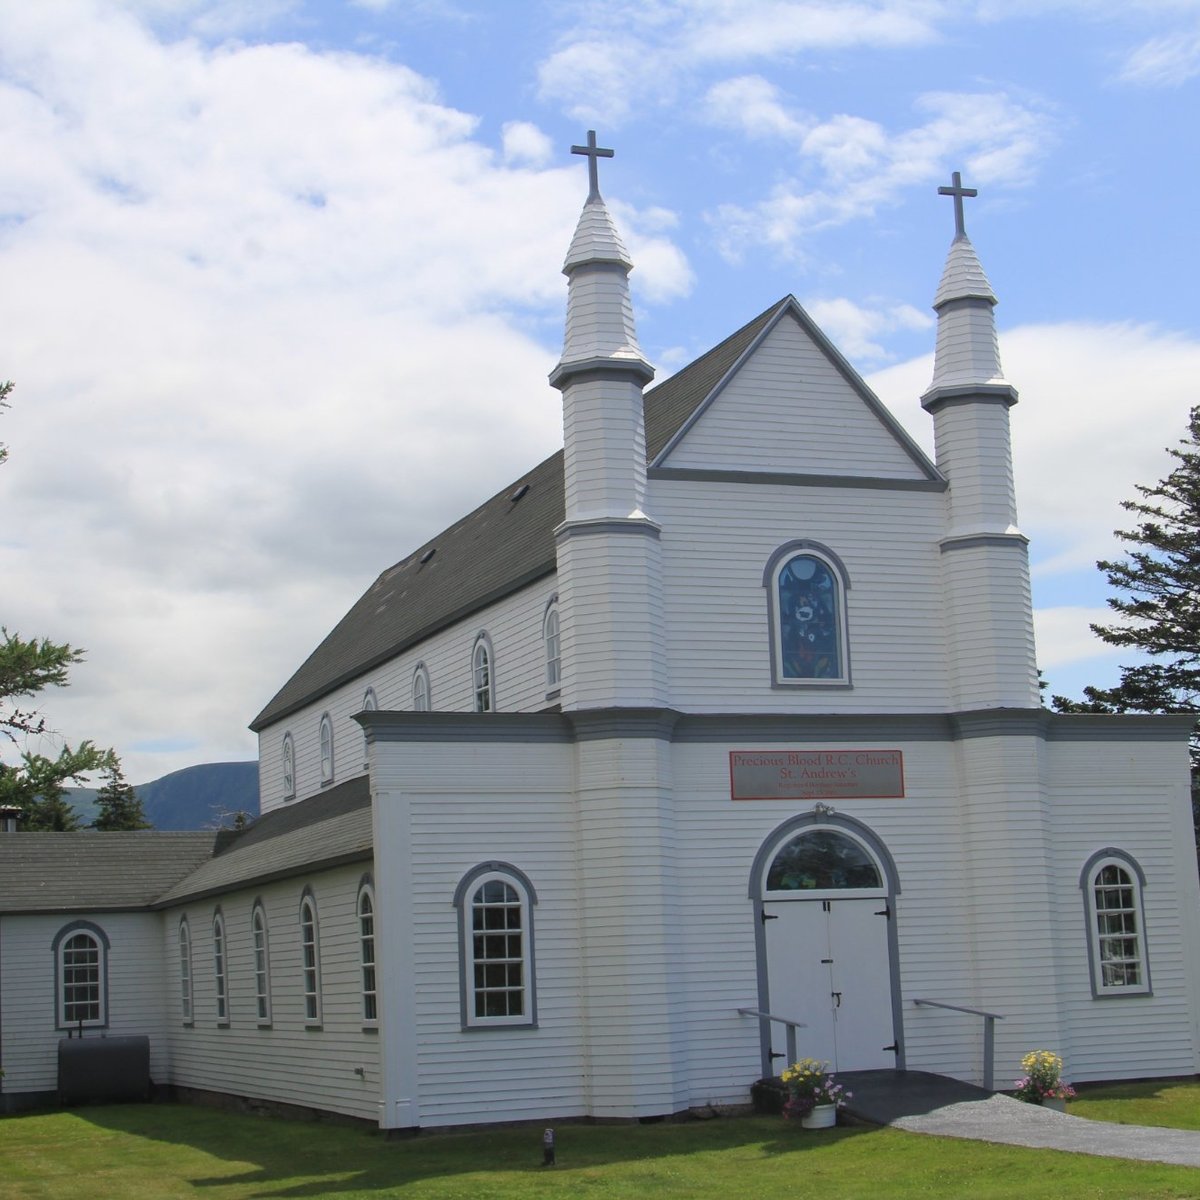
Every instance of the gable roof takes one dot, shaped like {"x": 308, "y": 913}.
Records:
{"x": 326, "y": 830}
{"x": 98, "y": 872}
{"x": 505, "y": 544}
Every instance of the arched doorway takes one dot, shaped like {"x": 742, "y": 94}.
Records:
{"x": 824, "y": 888}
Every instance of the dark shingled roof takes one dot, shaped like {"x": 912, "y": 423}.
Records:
{"x": 99, "y": 872}
{"x": 500, "y": 547}
{"x": 325, "y": 830}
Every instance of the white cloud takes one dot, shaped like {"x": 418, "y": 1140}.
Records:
{"x": 1165, "y": 61}
{"x": 1064, "y": 636}
{"x": 524, "y": 142}
{"x": 852, "y": 327}
{"x": 245, "y": 288}
{"x": 1099, "y": 404}
{"x": 599, "y": 71}
{"x": 857, "y": 166}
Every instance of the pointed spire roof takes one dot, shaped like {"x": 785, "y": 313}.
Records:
{"x": 967, "y": 358}
{"x": 600, "y": 330}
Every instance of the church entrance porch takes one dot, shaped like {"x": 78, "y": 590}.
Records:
{"x": 826, "y": 944}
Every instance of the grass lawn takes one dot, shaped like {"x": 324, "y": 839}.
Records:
{"x": 136, "y": 1152}
{"x": 1171, "y": 1102}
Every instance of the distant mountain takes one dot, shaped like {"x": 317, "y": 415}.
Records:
{"x": 202, "y": 797}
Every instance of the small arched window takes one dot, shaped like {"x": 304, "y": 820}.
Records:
{"x": 262, "y": 964}
{"x": 481, "y": 674}
{"x": 823, "y": 859}
{"x": 310, "y": 953}
{"x": 553, "y": 643}
{"x": 289, "y": 767}
{"x": 81, "y": 970}
{"x": 220, "y": 978}
{"x": 1112, "y": 883}
{"x": 807, "y": 587}
{"x": 326, "y": 749}
{"x": 185, "y": 971}
{"x": 420, "y": 689}
{"x": 495, "y": 913}
{"x": 366, "y": 944}
{"x": 370, "y": 704}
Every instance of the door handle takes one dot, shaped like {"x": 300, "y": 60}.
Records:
{"x": 838, "y": 997}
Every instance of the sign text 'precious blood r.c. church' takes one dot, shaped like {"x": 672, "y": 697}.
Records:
{"x": 815, "y": 774}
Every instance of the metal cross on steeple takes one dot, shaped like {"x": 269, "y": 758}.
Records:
{"x": 593, "y": 153}
{"x": 958, "y": 192}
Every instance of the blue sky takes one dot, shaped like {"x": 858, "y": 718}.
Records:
{"x": 260, "y": 256}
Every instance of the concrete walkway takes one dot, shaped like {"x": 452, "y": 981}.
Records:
{"x": 925, "y": 1103}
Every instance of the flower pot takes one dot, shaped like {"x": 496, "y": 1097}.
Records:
{"x": 1054, "y": 1102}
{"x": 824, "y": 1116}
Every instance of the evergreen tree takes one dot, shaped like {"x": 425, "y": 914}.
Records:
{"x": 119, "y": 805}
{"x": 1158, "y": 600}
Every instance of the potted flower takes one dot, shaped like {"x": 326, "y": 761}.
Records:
{"x": 1042, "y": 1082}
{"x": 814, "y": 1095}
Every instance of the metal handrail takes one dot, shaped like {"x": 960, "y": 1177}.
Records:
{"x": 790, "y": 1028}
{"x": 989, "y": 1033}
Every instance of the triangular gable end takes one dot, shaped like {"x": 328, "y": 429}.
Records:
{"x": 791, "y": 404}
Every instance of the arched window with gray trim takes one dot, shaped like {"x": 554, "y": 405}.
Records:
{"x": 81, "y": 976}
{"x": 552, "y": 640}
{"x": 806, "y": 599}
{"x": 262, "y": 963}
{"x": 310, "y": 956}
{"x": 495, "y": 917}
{"x": 1112, "y": 883}
{"x": 220, "y": 968}
{"x": 185, "y": 971}
{"x": 482, "y": 683}
{"x": 289, "y": 767}
{"x": 366, "y": 946}
{"x": 326, "y": 739}
{"x": 421, "y": 691}
{"x": 370, "y": 704}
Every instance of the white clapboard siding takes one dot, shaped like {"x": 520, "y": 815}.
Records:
{"x": 788, "y": 404}
{"x": 28, "y": 1004}
{"x": 1146, "y": 813}
{"x": 459, "y": 814}
{"x": 717, "y": 539}
{"x": 289, "y": 1062}
{"x": 514, "y": 626}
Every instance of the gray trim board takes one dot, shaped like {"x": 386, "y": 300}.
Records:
{"x": 968, "y": 541}
{"x": 970, "y": 393}
{"x": 386, "y": 726}
{"x": 590, "y": 527}
{"x": 788, "y": 479}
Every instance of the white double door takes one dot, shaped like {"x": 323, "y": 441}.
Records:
{"x": 828, "y": 966}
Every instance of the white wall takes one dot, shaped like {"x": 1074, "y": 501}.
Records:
{"x": 287, "y": 1062}
{"x": 518, "y": 681}
{"x": 28, "y": 1005}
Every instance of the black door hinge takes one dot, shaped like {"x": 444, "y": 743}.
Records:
{"x": 885, "y": 911}
{"x": 765, "y": 916}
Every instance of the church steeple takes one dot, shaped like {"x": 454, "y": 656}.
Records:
{"x": 984, "y": 554}
{"x": 601, "y": 375}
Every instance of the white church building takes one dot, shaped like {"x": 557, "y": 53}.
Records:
{"x": 714, "y": 738}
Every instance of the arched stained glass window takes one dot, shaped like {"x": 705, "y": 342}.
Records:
{"x": 289, "y": 767}
{"x": 823, "y": 860}
{"x": 810, "y": 608}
